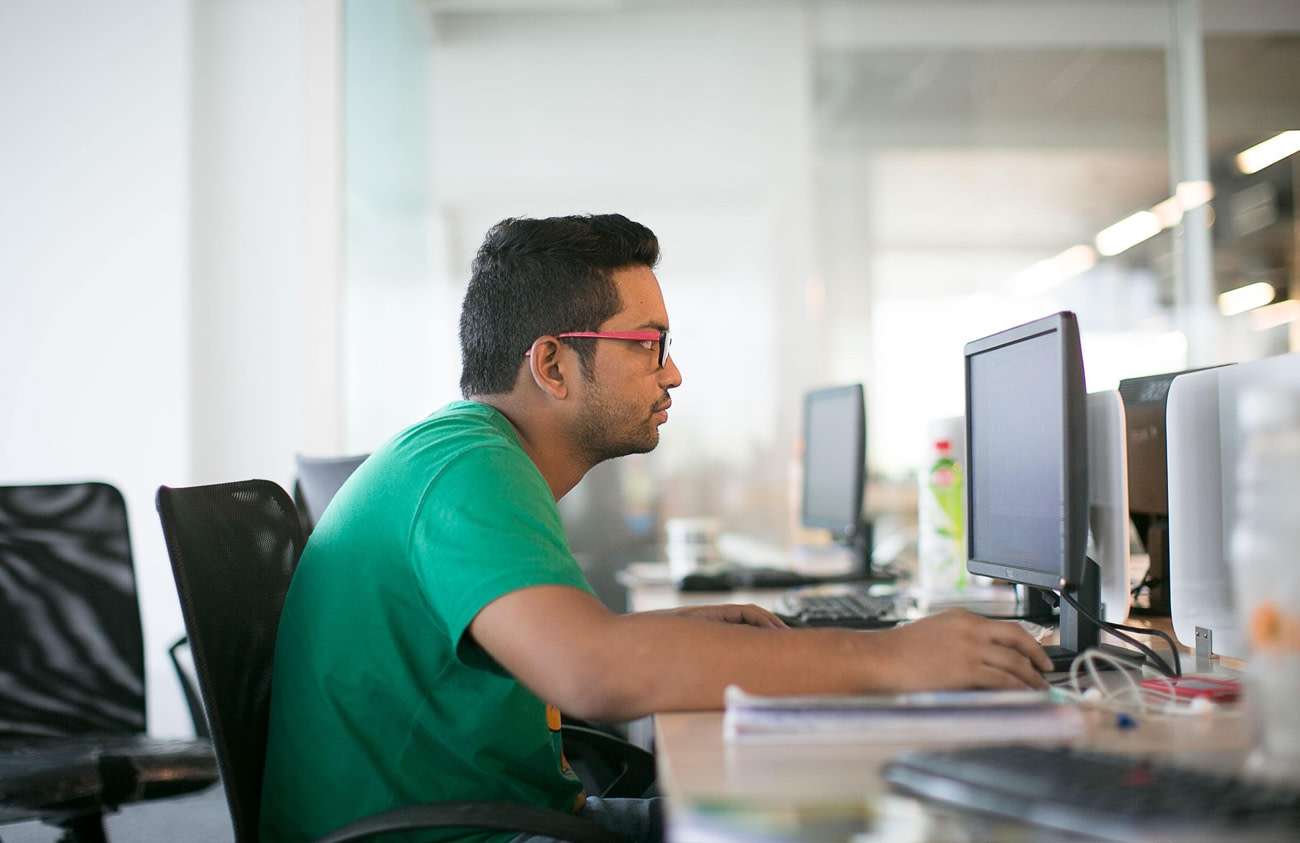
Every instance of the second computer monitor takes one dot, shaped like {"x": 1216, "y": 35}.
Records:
{"x": 1027, "y": 470}
{"x": 834, "y": 468}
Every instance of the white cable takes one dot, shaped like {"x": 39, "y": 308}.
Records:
{"x": 1111, "y": 699}
{"x": 1131, "y": 698}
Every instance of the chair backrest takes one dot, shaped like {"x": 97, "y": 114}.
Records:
{"x": 319, "y": 479}
{"x": 71, "y": 646}
{"x": 233, "y": 548}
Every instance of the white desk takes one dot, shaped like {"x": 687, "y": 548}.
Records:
{"x": 719, "y": 791}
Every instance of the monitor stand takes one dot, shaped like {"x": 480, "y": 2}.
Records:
{"x": 1078, "y": 633}
{"x": 1155, "y": 534}
{"x": 861, "y": 544}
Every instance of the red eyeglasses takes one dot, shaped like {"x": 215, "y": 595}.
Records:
{"x": 646, "y": 338}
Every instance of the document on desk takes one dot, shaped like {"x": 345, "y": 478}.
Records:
{"x": 939, "y": 717}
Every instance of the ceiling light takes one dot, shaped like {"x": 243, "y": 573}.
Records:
{"x": 1049, "y": 272}
{"x": 1173, "y": 343}
{"x": 1270, "y": 151}
{"x": 1169, "y": 212}
{"x": 1275, "y": 315}
{"x": 1127, "y": 233}
{"x": 1246, "y": 298}
{"x": 1193, "y": 194}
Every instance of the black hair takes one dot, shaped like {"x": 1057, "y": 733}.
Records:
{"x": 536, "y": 277}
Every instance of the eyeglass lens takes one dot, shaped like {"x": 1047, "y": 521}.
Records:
{"x": 665, "y": 343}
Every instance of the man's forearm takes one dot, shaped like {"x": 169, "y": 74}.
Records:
{"x": 573, "y": 652}
{"x": 663, "y": 663}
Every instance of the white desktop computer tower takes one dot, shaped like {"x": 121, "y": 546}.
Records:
{"x": 1200, "y": 583}
{"x": 1108, "y": 519}
{"x": 1204, "y": 449}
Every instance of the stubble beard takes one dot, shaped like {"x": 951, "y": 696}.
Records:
{"x": 608, "y": 431}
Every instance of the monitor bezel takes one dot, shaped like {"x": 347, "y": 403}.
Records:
{"x": 1074, "y": 450}
{"x": 839, "y": 531}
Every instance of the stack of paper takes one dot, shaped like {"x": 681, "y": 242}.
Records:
{"x": 946, "y": 716}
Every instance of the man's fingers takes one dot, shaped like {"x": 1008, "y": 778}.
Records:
{"x": 1013, "y": 635}
{"x": 757, "y": 616}
{"x": 1014, "y": 664}
{"x": 736, "y": 613}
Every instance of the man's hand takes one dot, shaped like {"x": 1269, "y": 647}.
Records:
{"x": 747, "y": 614}
{"x": 957, "y": 649}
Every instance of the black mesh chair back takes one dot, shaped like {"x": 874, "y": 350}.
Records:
{"x": 72, "y": 671}
{"x": 319, "y": 479}
{"x": 233, "y": 549}
{"x": 72, "y": 661}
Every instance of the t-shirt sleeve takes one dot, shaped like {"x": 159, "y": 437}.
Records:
{"x": 487, "y": 526}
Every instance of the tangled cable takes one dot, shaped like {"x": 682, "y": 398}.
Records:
{"x": 1129, "y": 698}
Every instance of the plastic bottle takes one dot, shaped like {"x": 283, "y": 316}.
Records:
{"x": 1265, "y": 575}
{"x": 942, "y": 521}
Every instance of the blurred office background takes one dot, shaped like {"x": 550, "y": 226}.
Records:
{"x": 233, "y": 230}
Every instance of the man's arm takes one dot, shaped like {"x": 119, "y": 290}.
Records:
{"x": 573, "y": 652}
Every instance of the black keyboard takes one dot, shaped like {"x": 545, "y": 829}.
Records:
{"x": 1118, "y": 797}
{"x": 753, "y": 577}
{"x": 849, "y": 607}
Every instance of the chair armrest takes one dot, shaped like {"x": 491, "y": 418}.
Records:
{"x": 190, "y": 687}
{"x": 494, "y": 816}
{"x": 632, "y": 767}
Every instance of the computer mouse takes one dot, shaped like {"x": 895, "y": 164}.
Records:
{"x": 705, "y": 582}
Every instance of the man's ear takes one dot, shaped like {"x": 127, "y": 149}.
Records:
{"x": 548, "y": 364}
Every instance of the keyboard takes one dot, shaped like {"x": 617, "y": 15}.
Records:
{"x": 1117, "y": 797}
{"x": 851, "y": 607}
{"x": 754, "y": 577}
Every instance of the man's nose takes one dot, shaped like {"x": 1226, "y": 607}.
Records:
{"x": 672, "y": 375}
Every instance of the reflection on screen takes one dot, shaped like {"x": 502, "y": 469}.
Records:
{"x": 1017, "y": 434}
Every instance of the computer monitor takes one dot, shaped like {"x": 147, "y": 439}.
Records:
{"x": 834, "y": 469}
{"x": 1027, "y": 470}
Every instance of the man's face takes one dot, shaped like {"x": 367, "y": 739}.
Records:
{"x": 626, "y": 398}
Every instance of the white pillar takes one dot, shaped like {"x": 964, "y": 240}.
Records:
{"x": 1189, "y": 170}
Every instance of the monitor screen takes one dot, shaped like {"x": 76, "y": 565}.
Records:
{"x": 834, "y": 459}
{"x": 1027, "y": 484}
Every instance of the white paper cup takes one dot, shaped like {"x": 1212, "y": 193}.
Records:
{"x": 692, "y": 544}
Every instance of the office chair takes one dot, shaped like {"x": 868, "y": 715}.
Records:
{"x": 234, "y": 548}
{"x": 319, "y": 479}
{"x": 72, "y": 679}
{"x": 183, "y": 663}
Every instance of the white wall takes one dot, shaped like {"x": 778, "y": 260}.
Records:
{"x": 94, "y": 259}
{"x": 156, "y": 319}
{"x": 247, "y": 239}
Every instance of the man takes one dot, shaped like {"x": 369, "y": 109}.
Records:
{"x": 437, "y": 622}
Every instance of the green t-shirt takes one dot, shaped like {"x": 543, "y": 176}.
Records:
{"x": 379, "y": 698}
